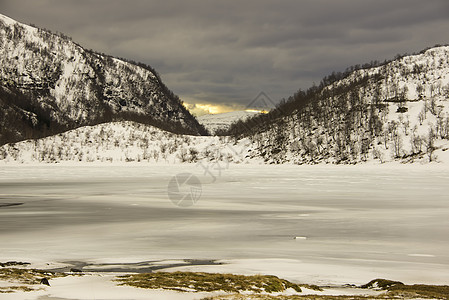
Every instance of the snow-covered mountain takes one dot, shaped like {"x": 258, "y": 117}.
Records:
{"x": 214, "y": 122}
{"x": 398, "y": 110}
{"x": 50, "y": 84}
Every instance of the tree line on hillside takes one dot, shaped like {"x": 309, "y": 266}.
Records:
{"x": 21, "y": 118}
{"x": 121, "y": 142}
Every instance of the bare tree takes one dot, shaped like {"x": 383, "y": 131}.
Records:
{"x": 420, "y": 90}
{"x": 444, "y": 127}
{"x": 377, "y": 154}
{"x": 422, "y": 116}
{"x": 430, "y": 146}
{"x": 397, "y": 145}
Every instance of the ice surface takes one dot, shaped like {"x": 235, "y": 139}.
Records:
{"x": 356, "y": 222}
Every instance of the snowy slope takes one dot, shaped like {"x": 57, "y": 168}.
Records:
{"x": 397, "y": 111}
{"x": 50, "y": 83}
{"x": 213, "y": 122}
{"x": 418, "y": 76}
{"x": 126, "y": 141}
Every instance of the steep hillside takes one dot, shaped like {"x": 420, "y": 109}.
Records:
{"x": 214, "y": 122}
{"x": 395, "y": 111}
{"x": 49, "y": 84}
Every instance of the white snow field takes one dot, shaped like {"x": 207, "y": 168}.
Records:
{"x": 213, "y": 122}
{"x": 326, "y": 225}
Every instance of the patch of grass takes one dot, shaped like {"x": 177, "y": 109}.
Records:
{"x": 393, "y": 290}
{"x": 207, "y": 282}
{"x": 420, "y": 290}
{"x": 382, "y": 284}
{"x": 296, "y": 297}
{"x": 27, "y": 276}
{"x": 27, "y": 280}
{"x": 398, "y": 289}
{"x": 313, "y": 297}
{"x": 13, "y": 263}
{"x": 16, "y": 288}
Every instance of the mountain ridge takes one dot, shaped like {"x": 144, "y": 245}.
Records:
{"x": 50, "y": 84}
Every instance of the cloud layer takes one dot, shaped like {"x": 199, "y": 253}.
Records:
{"x": 226, "y": 52}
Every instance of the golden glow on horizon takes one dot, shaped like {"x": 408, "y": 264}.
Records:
{"x": 199, "y": 109}
{"x": 209, "y": 108}
{"x": 257, "y": 111}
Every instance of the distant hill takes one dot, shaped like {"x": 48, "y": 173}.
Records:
{"x": 223, "y": 121}
{"x": 49, "y": 84}
{"x": 125, "y": 141}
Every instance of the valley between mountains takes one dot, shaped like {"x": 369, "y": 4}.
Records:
{"x": 110, "y": 188}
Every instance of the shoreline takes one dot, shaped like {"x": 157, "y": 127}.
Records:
{"x": 68, "y": 283}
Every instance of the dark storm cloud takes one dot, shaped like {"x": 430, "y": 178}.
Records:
{"x": 228, "y": 51}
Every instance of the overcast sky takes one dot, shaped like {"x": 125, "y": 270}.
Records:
{"x": 225, "y": 52}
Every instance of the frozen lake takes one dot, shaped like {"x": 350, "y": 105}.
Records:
{"x": 352, "y": 221}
